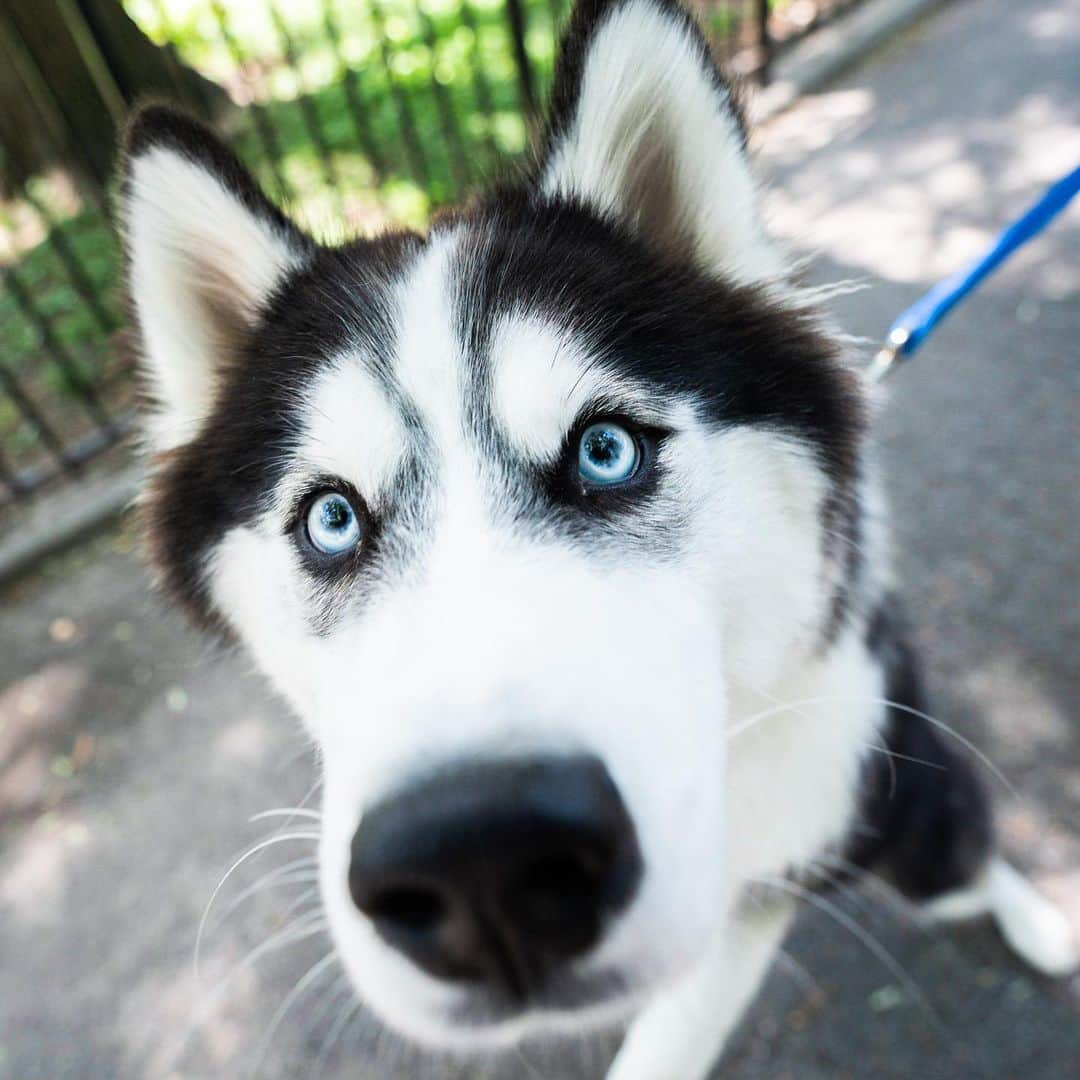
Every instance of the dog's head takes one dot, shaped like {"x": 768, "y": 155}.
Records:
{"x": 505, "y": 511}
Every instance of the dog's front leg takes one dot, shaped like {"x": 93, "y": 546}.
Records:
{"x": 680, "y": 1035}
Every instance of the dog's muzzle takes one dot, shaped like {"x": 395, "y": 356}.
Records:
{"x": 497, "y": 874}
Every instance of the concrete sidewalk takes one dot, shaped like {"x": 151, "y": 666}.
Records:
{"x": 132, "y": 756}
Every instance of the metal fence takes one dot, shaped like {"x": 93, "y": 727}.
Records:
{"x": 355, "y": 113}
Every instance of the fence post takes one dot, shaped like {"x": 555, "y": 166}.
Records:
{"x": 516, "y": 16}
{"x": 765, "y": 44}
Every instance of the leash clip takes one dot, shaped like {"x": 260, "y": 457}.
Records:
{"x": 917, "y": 322}
{"x": 892, "y": 351}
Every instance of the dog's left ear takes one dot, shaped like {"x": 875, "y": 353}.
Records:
{"x": 205, "y": 250}
{"x": 644, "y": 126}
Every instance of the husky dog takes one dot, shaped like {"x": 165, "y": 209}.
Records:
{"x": 558, "y": 528}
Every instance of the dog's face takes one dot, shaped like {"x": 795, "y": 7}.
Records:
{"x": 505, "y": 512}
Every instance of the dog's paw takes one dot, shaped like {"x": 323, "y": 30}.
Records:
{"x": 1033, "y": 926}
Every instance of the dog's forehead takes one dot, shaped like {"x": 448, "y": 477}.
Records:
{"x": 522, "y": 383}
{"x": 513, "y": 322}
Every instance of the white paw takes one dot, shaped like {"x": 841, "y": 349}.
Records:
{"x": 1032, "y": 925}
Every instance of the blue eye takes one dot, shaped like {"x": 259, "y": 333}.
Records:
{"x": 607, "y": 454}
{"x": 332, "y": 524}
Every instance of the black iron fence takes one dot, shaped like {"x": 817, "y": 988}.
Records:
{"x": 354, "y": 112}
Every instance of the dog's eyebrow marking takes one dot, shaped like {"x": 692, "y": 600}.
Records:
{"x": 540, "y": 381}
{"x": 351, "y": 427}
{"x": 543, "y": 380}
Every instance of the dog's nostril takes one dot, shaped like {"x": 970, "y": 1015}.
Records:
{"x": 409, "y": 908}
{"x": 550, "y": 885}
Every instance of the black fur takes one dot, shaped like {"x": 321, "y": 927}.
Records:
{"x": 745, "y": 357}
{"x": 924, "y": 816}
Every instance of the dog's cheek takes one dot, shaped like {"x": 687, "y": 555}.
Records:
{"x": 254, "y": 584}
{"x": 763, "y": 526}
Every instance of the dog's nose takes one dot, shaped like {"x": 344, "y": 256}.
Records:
{"x": 497, "y": 872}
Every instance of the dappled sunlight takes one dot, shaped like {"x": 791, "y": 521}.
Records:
{"x": 1029, "y": 731}
{"x": 842, "y": 112}
{"x": 34, "y": 872}
{"x": 1010, "y": 690}
{"x": 170, "y": 1016}
{"x": 1051, "y": 25}
{"x": 38, "y": 747}
{"x": 885, "y": 217}
{"x": 913, "y": 209}
{"x": 242, "y": 743}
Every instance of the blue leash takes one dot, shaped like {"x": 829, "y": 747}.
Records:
{"x": 915, "y": 324}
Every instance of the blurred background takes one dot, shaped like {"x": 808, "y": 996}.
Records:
{"x": 901, "y": 136}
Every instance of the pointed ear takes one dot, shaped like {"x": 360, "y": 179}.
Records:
{"x": 204, "y": 249}
{"x": 644, "y": 126}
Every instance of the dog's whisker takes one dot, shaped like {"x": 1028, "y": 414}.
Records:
{"x": 873, "y": 882}
{"x": 846, "y": 884}
{"x": 879, "y": 746}
{"x": 297, "y": 872}
{"x": 305, "y": 926}
{"x": 868, "y": 941}
{"x": 286, "y": 811}
{"x": 965, "y": 742}
{"x": 798, "y": 973}
{"x": 850, "y": 541}
{"x": 530, "y": 1068}
{"x": 347, "y": 1011}
{"x": 893, "y": 756}
{"x": 251, "y": 852}
{"x": 897, "y": 756}
{"x": 840, "y": 699}
{"x": 313, "y": 974}
{"x": 298, "y": 902}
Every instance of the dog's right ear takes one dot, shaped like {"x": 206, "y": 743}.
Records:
{"x": 204, "y": 249}
{"x": 644, "y": 127}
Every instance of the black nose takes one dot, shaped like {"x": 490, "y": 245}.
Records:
{"x": 497, "y": 872}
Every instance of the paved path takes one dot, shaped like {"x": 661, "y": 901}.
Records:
{"x": 898, "y": 173}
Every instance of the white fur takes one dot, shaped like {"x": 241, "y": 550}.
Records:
{"x": 681, "y": 1032}
{"x": 536, "y": 413}
{"x": 544, "y": 381}
{"x": 645, "y": 90}
{"x": 351, "y": 430}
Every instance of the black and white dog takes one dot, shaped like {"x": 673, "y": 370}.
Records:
{"x": 558, "y": 527}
